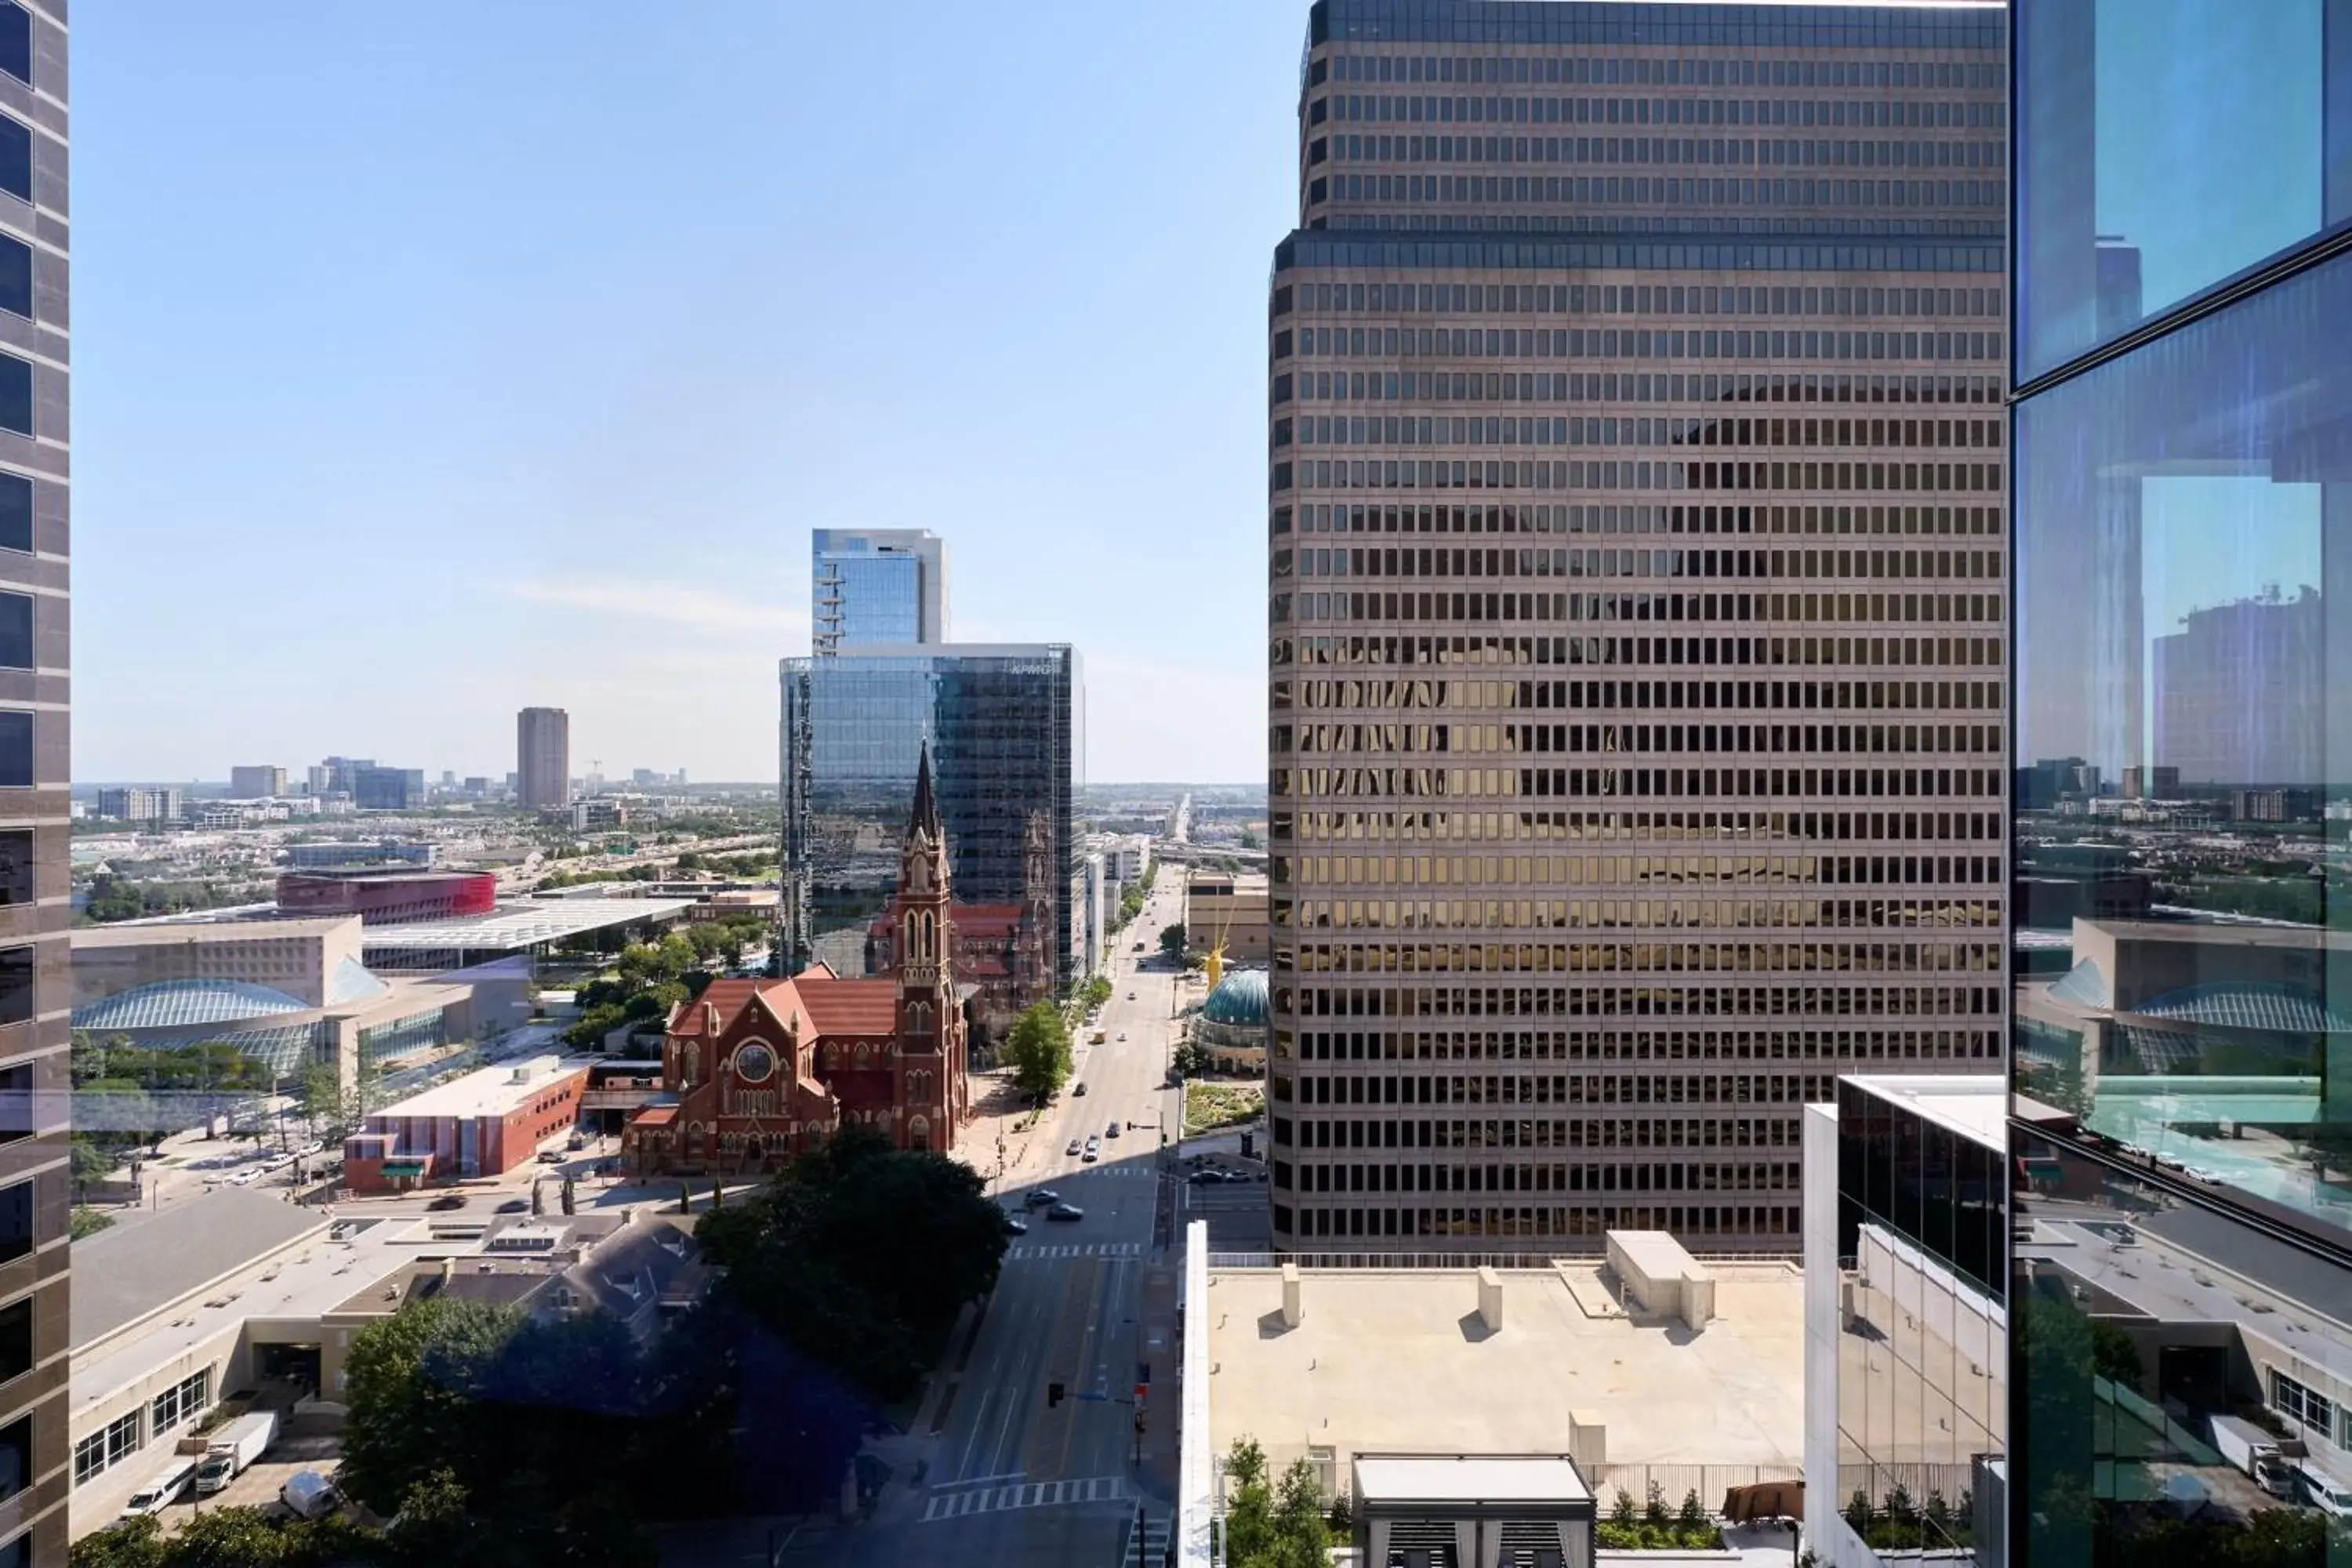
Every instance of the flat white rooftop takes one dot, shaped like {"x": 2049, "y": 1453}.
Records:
{"x": 486, "y": 1091}
{"x": 1400, "y": 1361}
{"x": 1468, "y": 1478}
{"x": 514, "y": 926}
{"x": 1975, "y": 1105}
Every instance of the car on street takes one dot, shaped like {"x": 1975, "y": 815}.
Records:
{"x": 1122, "y": 1034}
{"x": 446, "y": 1202}
{"x": 315, "y": 1146}
{"x": 1111, "y": 1130}
{"x": 514, "y": 1205}
{"x": 1065, "y": 1212}
{"x": 1074, "y": 1148}
{"x": 1209, "y": 1178}
{"x": 246, "y": 1177}
{"x": 1039, "y": 1197}
{"x": 1131, "y": 995}
{"x": 1094, "y": 1152}
{"x": 1079, "y": 1091}
{"x": 551, "y": 1156}
{"x": 1014, "y": 1224}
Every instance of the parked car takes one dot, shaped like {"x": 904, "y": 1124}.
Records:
{"x": 168, "y": 1486}
{"x": 1209, "y": 1178}
{"x": 514, "y": 1205}
{"x": 1122, "y": 1034}
{"x": 1094, "y": 1152}
{"x": 447, "y": 1201}
{"x": 315, "y": 1146}
{"x": 1111, "y": 1130}
{"x": 1131, "y": 995}
{"x": 1065, "y": 1212}
{"x": 578, "y": 1140}
{"x": 551, "y": 1156}
{"x": 307, "y": 1494}
{"x": 1038, "y": 1197}
{"x": 1078, "y": 1092}
{"x": 1074, "y": 1148}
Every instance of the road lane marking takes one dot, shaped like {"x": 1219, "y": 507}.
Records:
{"x": 963, "y": 1504}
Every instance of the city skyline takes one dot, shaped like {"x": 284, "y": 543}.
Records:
{"x": 617, "y": 521}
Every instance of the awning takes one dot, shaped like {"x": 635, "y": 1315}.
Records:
{"x": 655, "y": 1116}
{"x": 396, "y": 1168}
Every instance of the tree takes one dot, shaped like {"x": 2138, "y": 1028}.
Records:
{"x": 126, "y": 1544}
{"x": 86, "y": 1221}
{"x": 322, "y": 1098}
{"x": 90, "y": 1162}
{"x": 1171, "y": 941}
{"x": 407, "y": 1383}
{"x": 1038, "y": 1046}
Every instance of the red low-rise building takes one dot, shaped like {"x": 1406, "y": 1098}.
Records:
{"x": 755, "y": 1071}
{"x": 388, "y": 898}
{"x": 482, "y": 1124}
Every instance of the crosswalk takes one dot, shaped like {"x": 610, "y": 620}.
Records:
{"x": 962, "y": 1504}
{"x": 1026, "y": 1249}
{"x": 1157, "y": 1529}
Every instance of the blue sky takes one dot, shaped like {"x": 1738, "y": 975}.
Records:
{"x": 434, "y": 360}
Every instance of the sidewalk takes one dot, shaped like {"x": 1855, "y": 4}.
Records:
{"x": 1163, "y": 1352}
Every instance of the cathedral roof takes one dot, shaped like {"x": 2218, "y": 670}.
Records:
{"x": 926, "y": 812}
{"x": 850, "y": 1007}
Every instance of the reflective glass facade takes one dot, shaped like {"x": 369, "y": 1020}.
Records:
{"x": 1005, "y": 726}
{"x": 1921, "y": 1396}
{"x": 876, "y": 588}
{"x": 2181, "y": 1040}
{"x": 2166, "y": 146}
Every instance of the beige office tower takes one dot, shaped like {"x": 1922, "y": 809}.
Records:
{"x": 1636, "y": 598}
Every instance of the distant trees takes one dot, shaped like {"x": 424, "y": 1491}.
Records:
{"x": 1172, "y": 939}
{"x": 1038, "y": 1046}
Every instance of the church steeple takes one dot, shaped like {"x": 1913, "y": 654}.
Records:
{"x": 923, "y": 856}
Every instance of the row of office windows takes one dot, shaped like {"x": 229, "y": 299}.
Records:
{"x": 1693, "y": 740}
{"x": 1700, "y": 871}
{"x": 1666, "y": 152}
{"x": 1592, "y": 1221}
{"x": 1911, "y": 111}
{"x": 1740, "y": 520}
{"x": 126, "y": 1434}
{"x": 1645, "y": 190}
{"x": 1389, "y": 650}
{"x": 1648, "y": 1047}
{"x": 1660, "y": 343}
{"x": 1524, "y": 68}
{"x": 1843, "y": 301}
{"x": 1375, "y": 562}
{"x": 1906, "y": 912}
{"x": 1851, "y": 479}
{"x": 1814, "y": 956}
{"x": 1814, "y": 999}
{"x": 1751, "y": 830}
{"x": 1630, "y": 434}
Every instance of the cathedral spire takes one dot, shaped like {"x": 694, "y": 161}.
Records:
{"x": 926, "y": 815}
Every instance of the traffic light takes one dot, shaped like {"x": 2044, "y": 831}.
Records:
{"x": 1054, "y": 1391}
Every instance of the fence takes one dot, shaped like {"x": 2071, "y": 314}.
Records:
{"x": 1521, "y": 1260}
{"x": 1674, "y": 1481}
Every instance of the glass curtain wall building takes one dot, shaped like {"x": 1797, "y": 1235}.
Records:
{"x": 2181, "y": 1057}
{"x": 1005, "y": 725}
{"x": 1637, "y": 592}
{"x": 876, "y": 587}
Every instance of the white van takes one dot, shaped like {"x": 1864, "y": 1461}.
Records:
{"x": 2324, "y": 1492}
{"x": 167, "y": 1486}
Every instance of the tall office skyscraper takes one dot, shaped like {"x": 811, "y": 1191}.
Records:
{"x": 876, "y": 587}
{"x": 1636, "y": 589}
{"x": 543, "y": 757}
{"x": 1006, "y": 728}
{"x": 34, "y": 911}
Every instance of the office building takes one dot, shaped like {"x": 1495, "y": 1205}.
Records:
{"x": 139, "y": 803}
{"x": 256, "y": 784}
{"x": 876, "y": 587}
{"x": 1907, "y": 1324}
{"x": 1004, "y": 728}
{"x": 1226, "y": 912}
{"x": 339, "y": 775}
{"x": 35, "y": 781}
{"x": 388, "y": 789}
{"x": 482, "y": 1124}
{"x": 1637, "y": 600}
{"x": 2181, "y": 1212}
{"x": 543, "y": 758}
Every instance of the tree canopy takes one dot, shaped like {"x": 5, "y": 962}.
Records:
{"x": 1038, "y": 1046}
{"x": 1172, "y": 939}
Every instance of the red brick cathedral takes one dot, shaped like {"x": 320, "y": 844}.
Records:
{"x": 756, "y": 1071}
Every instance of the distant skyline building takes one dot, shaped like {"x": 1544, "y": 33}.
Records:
{"x": 36, "y": 1407}
{"x": 876, "y": 587}
{"x": 257, "y": 783}
{"x": 1004, "y": 724}
{"x": 1637, "y": 596}
{"x": 139, "y": 803}
{"x": 388, "y": 789}
{"x": 543, "y": 757}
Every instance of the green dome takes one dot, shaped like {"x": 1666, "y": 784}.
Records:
{"x": 1239, "y": 999}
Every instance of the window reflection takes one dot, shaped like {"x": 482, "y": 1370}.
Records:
{"x": 2129, "y": 202}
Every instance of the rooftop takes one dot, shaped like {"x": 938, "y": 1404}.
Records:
{"x": 1974, "y": 1105}
{"x": 149, "y": 1259}
{"x": 1394, "y": 1479}
{"x": 1399, "y": 1361}
{"x": 512, "y": 926}
{"x": 486, "y": 1091}
{"x": 142, "y": 934}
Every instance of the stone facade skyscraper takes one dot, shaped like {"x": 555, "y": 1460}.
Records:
{"x": 1636, "y": 599}
{"x": 543, "y": 757}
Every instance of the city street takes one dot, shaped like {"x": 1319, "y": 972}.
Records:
{"x": 1006, "y": 1475}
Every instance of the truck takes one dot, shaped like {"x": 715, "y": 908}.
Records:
{"x": 2250, "y": 1448}
{"x": 232, "y": 1447}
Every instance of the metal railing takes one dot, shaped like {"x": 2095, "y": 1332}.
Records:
{"x": 1529, "y": 1261}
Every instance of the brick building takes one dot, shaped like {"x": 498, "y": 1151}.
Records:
{"x": 483, "y": 1124}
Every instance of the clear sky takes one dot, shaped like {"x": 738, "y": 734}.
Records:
{"x": 439, "y": 359}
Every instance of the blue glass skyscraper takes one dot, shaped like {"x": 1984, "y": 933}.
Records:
{"x": 876, "y": 587}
